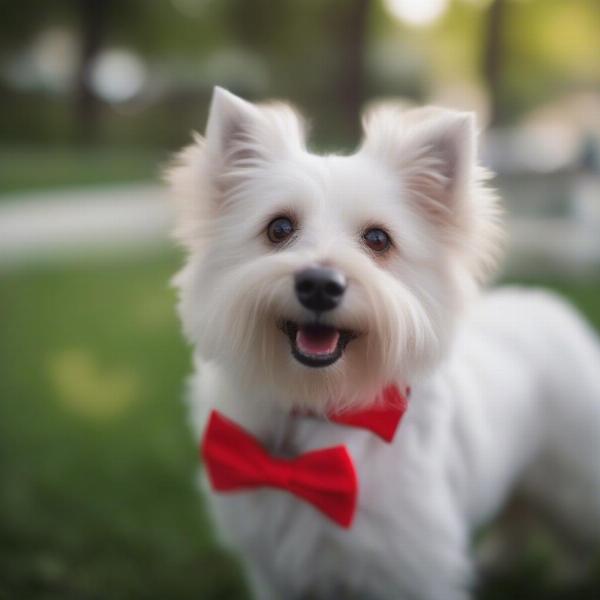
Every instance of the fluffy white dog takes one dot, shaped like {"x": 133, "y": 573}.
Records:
{"x": 316, "y": 289}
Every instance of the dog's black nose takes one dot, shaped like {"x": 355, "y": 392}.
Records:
{"x": 320, "y": 288}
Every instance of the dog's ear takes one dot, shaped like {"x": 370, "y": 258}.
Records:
{"x": 443, "y": 149}
{"x": 241, "y": 136}
{"x": 231, "y": 128}
{"x": 433, "y": 151}
{"x": 241, "y": 140}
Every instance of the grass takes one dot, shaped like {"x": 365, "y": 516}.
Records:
{"x": 25, "y": 169}
{"x": 96, "y": 459}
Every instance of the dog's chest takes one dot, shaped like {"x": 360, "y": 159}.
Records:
{"x": 290, "y": 536}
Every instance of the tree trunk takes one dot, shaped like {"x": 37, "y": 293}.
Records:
{"x": 92, "y": 21}
{"x": 493, "y": 58}
{"x": 352, "y": 23}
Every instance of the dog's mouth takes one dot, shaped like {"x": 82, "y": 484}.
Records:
{"x": 316, "y": 344}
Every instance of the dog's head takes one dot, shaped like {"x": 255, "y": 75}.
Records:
{"x": 319, "y": 279}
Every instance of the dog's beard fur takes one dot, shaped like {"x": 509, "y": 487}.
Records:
{"x": 414, "y": 175}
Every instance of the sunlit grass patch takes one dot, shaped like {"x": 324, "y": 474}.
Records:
{"x": 90, "y": 390}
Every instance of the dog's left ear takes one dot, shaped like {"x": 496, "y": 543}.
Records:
{"x": 446, "y": 146}
{"x": 433, "y": 151}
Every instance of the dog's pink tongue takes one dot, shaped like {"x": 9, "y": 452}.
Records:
{"x": 317, "y": 340}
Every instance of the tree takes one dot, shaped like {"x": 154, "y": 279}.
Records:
{"x": 493, "y": 57}
{"x": 352, "y": 25}
{"x": 93, "y": 21}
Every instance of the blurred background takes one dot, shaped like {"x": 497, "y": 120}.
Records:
{"x": 97, "y": 465}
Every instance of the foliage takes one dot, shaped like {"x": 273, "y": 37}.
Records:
{"x": 26, "y": 168}
{"x": 304, "y": 51}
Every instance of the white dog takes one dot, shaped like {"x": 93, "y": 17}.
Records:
{"x": 316, "y": 290}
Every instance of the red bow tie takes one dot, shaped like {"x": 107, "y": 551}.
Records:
{"x": 325, "y": 478}
{"x": 383, "y": 419}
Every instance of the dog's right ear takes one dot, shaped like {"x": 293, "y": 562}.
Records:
{"x": 241, "y": 140}
{"x": 231, "y": 129}
{"x": 241, "y": 136}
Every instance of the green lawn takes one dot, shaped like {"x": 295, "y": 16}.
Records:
{"x": 96, "y": 459}
{"x": 97, "y": 462}
{"x": 24, "y": 168}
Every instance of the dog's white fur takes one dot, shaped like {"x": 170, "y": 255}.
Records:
{"x": 506, "y": 385}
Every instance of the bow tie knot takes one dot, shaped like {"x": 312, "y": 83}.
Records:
{"x": 283, "y": 476}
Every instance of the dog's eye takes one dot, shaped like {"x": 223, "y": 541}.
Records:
{"x": 377, "y": 239}
{"x": 280, "y": 229}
